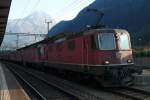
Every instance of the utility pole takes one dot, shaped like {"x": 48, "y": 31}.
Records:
{"x": 17, "y": 41}
{"x": 48, "y": 24}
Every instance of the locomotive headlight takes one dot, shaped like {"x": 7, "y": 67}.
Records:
{"x": 129, "y": 61}
{"x": 106, "y": 62}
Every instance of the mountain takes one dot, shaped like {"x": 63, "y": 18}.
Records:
{"x": 34, "y": 24}
{"x": 133, "y": 15}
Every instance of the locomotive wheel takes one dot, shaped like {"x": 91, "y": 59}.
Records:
{"x": 102, "y": 81}
{"x": 128, "y": 81}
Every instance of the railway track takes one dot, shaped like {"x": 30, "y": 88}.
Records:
{"x": 80, "y": 92}
{"x": 132, "y": 93}
{"x": 32, "y": 88}
{"x": 69, "y": 88}
{"x": 41, "y": 90}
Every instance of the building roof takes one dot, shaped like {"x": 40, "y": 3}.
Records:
{"x": 4, "y": 11}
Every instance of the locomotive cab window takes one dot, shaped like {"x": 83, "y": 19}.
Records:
{"x": 41, "y": 50}
{"x": 103, "y": 41}
{"x": 124, "y": 41}
{"x": 107, "y": 41}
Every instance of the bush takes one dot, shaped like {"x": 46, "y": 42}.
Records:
{"x": 142, "y": 53}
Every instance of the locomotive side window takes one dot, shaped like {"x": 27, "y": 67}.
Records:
{"x": 94, "y": 42}
{"x": 71, "y": 44}
{"x": 106, "y": 41}
{"x": 41, "y": 50}
{"x": 124, "y": 41}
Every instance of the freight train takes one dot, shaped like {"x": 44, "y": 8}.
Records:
{"x": 104, "y": 54}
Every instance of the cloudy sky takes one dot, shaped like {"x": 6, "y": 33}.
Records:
{"x": 57, "y": 9}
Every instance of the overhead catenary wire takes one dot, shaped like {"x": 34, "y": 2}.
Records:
{"x": 36, "y": 4}
{"x": 80, "y": 3}
{"x": 76, "y": 6}
{"x": 66, "y": 7}
{"x": 25, "y": 8}
{"x": 22, "y": 12}
{"x": 73, "y": 7}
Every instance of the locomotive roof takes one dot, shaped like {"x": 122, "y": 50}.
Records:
{"x": 105, "y": 31}
{"x": 73, "y": 35}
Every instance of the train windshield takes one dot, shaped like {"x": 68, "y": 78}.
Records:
{"x": 104, "y": 41}
{"x": 124, "y": 41}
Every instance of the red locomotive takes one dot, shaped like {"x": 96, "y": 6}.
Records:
{"x": 105, "y": 54}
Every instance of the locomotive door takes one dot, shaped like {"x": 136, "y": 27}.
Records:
{"x": 85, "y": 50}
{"x": 41, "y": 52}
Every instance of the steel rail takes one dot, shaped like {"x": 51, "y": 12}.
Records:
{"x": 129, "y": 92}
{"x": 40, "y": 96}
{"x": 75, "y": 90}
